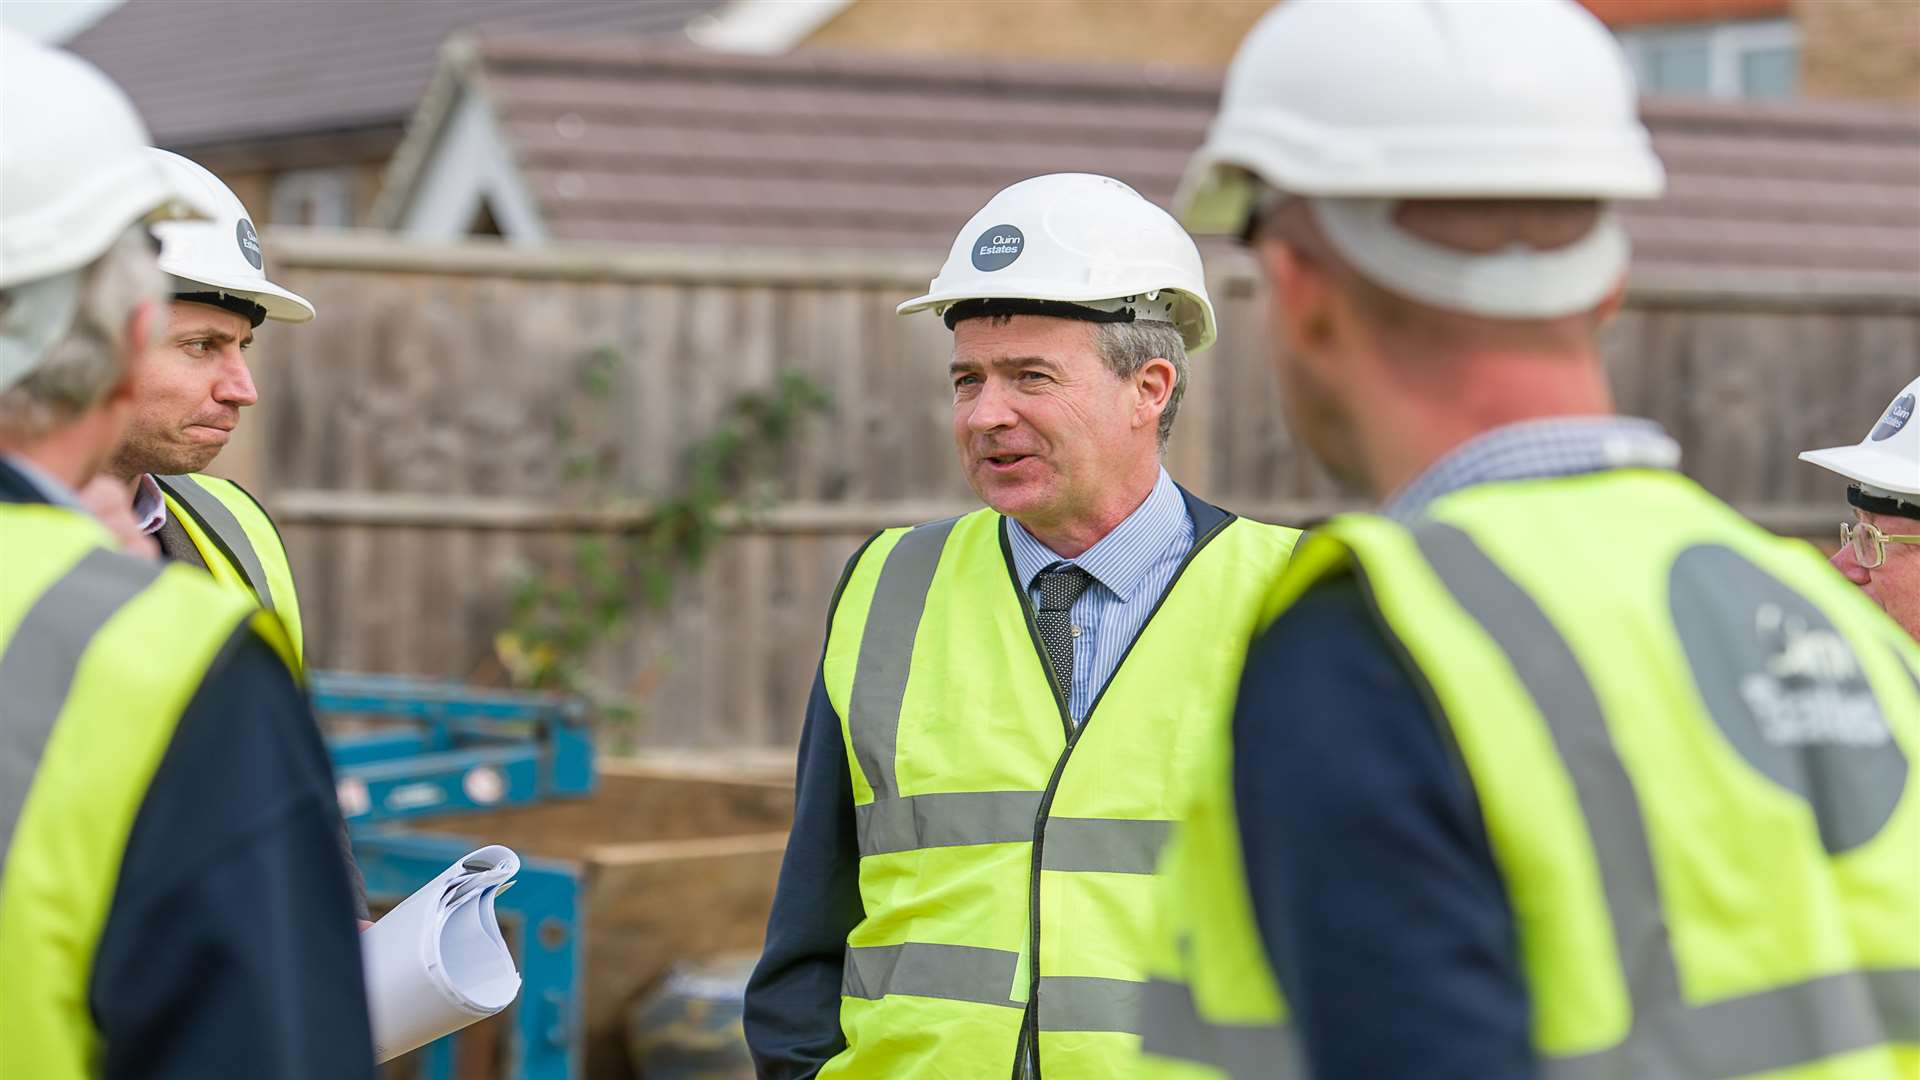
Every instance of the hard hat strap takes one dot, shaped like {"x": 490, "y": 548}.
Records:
{"x": 1120, "y": 310}
{"x": 1517, "y": 282}
{"x": 1876, "y": 501}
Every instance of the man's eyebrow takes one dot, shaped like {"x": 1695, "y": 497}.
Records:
{"x": 209, "y": 332}
{"x": 1002, "y": 362}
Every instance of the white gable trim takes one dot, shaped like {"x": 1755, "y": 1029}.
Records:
{"x": 763, "y": 26}
{"x": 470, "y": 163}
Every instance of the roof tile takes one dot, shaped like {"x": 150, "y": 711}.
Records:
{"x": 627, "y": 142}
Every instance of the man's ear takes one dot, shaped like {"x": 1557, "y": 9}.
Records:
{"x": 1610, "y": 305}
{"x": 1154, "y": 382}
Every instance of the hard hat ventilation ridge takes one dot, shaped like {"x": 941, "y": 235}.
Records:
{"x": 239, "y": 305}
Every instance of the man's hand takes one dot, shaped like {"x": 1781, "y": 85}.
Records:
{"x": 111, "y": 501}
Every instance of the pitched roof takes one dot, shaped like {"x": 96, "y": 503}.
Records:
{"x": 215, "y": 71}
{"x": 622, "y": 142}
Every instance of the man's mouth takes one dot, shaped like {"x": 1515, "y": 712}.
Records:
{"x": 1003, "y": 461}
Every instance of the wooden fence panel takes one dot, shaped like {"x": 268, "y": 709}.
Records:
{"x": 409, "y": 441}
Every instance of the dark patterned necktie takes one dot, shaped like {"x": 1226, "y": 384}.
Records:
{"x": 1059, "y": 586}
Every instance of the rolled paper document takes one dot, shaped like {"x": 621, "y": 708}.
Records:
{"x": 437, "y": 963}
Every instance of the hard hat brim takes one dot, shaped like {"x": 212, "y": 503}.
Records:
{"x": 1869, "y": 466}
{"x": 1203, "y": 335}
{"x": 282, "y": 305}
{"x": 1222, "y": 179}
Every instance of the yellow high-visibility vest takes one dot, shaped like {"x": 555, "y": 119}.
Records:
{"x": 100, "y": 654}
{"x": 1006, "y": 856}
{"x": 238, "y": 542}
{"x": 1693, "y": 745}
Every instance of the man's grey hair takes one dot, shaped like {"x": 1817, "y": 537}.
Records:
{"x": 84, "y": 365}
{"x": 1126, "y": 347}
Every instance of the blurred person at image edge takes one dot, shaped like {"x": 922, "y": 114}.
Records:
{"x": 1553, "y": 766}
{"x": 172, "y": 898}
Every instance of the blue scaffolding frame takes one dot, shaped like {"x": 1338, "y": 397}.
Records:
{"x": 463, "y": 749}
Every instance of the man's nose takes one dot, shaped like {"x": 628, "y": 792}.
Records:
{"x": 236, "y": 382}
{"x": 991, "y": 410}
{"x": 1847, "y": 563}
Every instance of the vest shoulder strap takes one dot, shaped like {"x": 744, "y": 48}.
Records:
{"x": 211, "y": 503}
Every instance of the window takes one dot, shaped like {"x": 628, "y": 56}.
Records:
{"x": 1745, "y": 59}
{"x": 317, "y": 197}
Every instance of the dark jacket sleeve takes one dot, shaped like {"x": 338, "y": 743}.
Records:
{"x": 793, "y": 999}
{"x": 230, "y": 947}
{"x": 1373, "y": 883}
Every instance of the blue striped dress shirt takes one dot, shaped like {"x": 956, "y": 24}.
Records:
{"x": 1536, "y": 450}
{"x": 1131, "y": 567}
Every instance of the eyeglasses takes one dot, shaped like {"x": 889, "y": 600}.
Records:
{"x": 1265, "y": 201}
{"x": 1869, "y": 543}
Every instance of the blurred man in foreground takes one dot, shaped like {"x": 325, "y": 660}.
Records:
{"x": 1880, "y": 548}
{"x": 1009, "y": 701}
{"x": 1554, "y": 766}
{"x": 172, "y": 900}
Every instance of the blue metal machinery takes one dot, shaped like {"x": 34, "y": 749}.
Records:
{"x": 465, "y": 749}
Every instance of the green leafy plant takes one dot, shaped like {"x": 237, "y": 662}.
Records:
{"x": 559, "y": 617}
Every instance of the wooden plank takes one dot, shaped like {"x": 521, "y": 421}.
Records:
{"x": 649, "y": 906}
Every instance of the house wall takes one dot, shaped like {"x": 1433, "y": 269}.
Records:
{"x": 1177, "y": 32}
{"x": 1859, "y": 49}
{"x": 253, "y": 168}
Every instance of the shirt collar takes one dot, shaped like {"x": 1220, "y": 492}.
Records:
{"x": 149, "y": 506}
{"x": 1123, "y": 558}
{"x": 1538, "y": 449}
{"x": 49, "y": 488}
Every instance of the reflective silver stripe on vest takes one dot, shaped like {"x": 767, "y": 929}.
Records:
{"x": 1087, "y": 1003}
{"x": 1173, "y": 1029}
{"x": 1756, "y": 1033}
{"x": 226, "y": 529}
{"x": 985, "y": 977}
{"x": 37, "y": 669}
{"x": 1773, "y": 1029}
{"x": 886, "y": 652}
{"x": 957, "y": 818}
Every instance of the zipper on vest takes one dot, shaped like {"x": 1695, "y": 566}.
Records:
{"x": 1029, "y": 1040}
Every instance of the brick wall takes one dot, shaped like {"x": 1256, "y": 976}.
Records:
{"x": 1859, "y": 49}
{"x": 1178, "y": 32}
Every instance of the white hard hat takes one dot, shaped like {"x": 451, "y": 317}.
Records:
{"x": 221, "y": 256}
{"x": 1356, "y": 105}
{"x": 1079, "y": 245}
{"x": 1887, "y": 462}
{"x": 74, "y": 177}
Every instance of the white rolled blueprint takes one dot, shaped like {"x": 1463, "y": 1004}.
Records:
{"x": 437, "y": 963}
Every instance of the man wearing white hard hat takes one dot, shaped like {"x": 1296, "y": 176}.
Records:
{"x": 171, "y": 900}
{"x": 1554, "y": 765}
{"x": 1008, "y": 701}
{"x": 1880, "y": 548}
{"x": 189, "y": 390}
